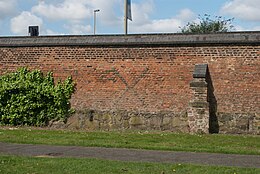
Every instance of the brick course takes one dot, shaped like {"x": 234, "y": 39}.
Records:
{"x": 148, "y": 77}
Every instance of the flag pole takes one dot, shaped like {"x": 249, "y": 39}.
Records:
{"x": 126, "y": 9}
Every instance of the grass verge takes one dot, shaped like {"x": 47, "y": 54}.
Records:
{"x": 25, "y": 165}
{"x": 216, "y": 143}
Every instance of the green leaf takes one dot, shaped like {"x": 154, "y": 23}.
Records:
{"x": 30, "y": 98}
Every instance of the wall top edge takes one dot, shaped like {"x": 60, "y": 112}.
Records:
{"x": 133, "y": 39}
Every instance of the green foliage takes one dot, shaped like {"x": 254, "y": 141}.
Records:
{"x": 209, "y": 25}
{"x": 30, "y": 98}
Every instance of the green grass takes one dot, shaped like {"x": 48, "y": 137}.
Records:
{"x": 216, "y": 143}
{"x": 26, "y": 165}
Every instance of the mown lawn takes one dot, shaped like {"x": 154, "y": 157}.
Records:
{"x": 33, "y": 165}
{"x": 216, "y": 143}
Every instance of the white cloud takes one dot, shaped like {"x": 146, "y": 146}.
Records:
{"x": 256, "y": 28}
{"x": 7, "y": 8}
{"x": 186, "y": 15}
{"x": 241, "y": 28}
{"x": 107, "y": 14}
{"x": 77, "y": 10}
{"x": 243, "y": 9}
{"x": 76, "y": 29}
{"x": 163, "y": 25}
{"x": 19, "y": 24}
{"x": 141, "y": 12}
{"x": 170, "y": 25}
{"x": 51, "y": 32}
{"x": 67, "y": 10}
{"x": 77, "y": 16}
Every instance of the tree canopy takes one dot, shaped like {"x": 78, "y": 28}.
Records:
{"x": 207, "y": 24}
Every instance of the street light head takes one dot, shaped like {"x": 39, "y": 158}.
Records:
{"x": 97, "y": 10}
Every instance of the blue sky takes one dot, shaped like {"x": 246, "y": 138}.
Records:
{"x": 56, "y": 17}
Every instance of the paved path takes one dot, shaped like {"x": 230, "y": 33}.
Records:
{"x": 131, "y": 155}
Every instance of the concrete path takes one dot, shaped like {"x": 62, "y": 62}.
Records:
{"x": 131, "y": 155}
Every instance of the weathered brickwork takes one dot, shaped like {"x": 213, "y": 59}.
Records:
{"x": 147, "y": 78}
{"x": 198, "y": 110}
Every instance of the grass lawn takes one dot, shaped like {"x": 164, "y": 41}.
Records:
{"x": 25, "y": 165}
{"x": 216, "y": 143}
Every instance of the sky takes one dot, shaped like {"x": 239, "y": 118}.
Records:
{"x": 75, "y": 17}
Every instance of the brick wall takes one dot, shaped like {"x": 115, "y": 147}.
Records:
{"x": 148, "y": 73}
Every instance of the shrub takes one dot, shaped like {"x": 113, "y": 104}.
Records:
{"x": 30, "y": 98}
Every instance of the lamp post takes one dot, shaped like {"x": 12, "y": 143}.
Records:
{"x": 95, "y": 19}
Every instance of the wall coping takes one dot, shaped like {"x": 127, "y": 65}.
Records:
{"x": 233, "y": 38}
{"x": 200, "y": 71}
